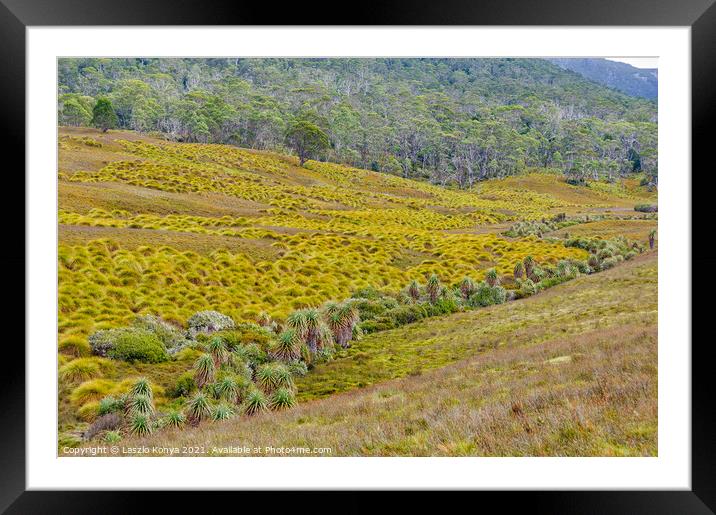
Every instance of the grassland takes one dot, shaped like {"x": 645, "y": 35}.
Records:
{"x": 152, "y": 227}
{"x": 569, "y": 372}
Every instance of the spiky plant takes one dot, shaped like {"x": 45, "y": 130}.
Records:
{"x": 263, "y": 319}
{"x": 142, "y": 387}
{"x": 175, "y": 419}
{"x": 282, "y": 398}
{"x": 199, "y": 408}
{"x": 467, "y": 288}
{"x": 652, "y": 238}
{"x": 228, "y": 389}
{"x": 529, "y": 264}
{"x": 112, "y": 437}
{"x": 593, "y": 262}
{"x": 142, "y": 404}
{"x": 219, "y": 353}
{"x": 222, "y": 412}
{"x": 307, "y": 324}
{"x": 414, "y": 290}
{"x": 433, "y": 288}
{"x": 519, "y": 270}
{"x": 491, "y": 278}
{"x": 341, "y": 319}
{"x": 255, "y": 402}
{"x": 204, "y": 370}
{"x": 140, "y": 425}
{"x": 288, "y": 346}
{"x": 273, "y": 375}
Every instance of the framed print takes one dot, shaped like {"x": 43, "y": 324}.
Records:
{"x": 387, "y": 256}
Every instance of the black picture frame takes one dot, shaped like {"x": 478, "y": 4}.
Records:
{"x": 16, "y": 15}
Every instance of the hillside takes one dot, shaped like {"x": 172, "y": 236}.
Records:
{"x": 570, "y": 372}
{"x": 623, "y": 77}
{"x": 154, "y": 227}
{"x": 452, "y": 121}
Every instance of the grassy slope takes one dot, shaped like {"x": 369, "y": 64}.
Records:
{"x": 569, "y": 372}
{"x": 327, "y": 230}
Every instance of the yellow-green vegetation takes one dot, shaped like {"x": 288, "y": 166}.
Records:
{"x": 149, "y": 227}
{"x": 569, "y": 372}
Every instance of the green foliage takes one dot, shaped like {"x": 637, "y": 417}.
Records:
{"x": 222, "y": 412}
{"x": 142, "y": 387}
{"x": 282, "y": 398}
{"x": 111, "y": 404}
{"x": 175, "y": 419}
{"x": 487, "y": 295}
{"x": 140, "y": 425}
{"x": 433, "y": 288}
{"x": 138, "y": 345}
{"x": 271, "y": 376}
{"x": 184, "y": 386}
{"x": 450, "y": 120}
{"x": 288, "y": 346}
{"x": 112, "y": 437}
{"x": 307, "y": 139}
{"x": 103, "y": 115}
{"x": 198, "y": 408}
{"x": 204, "y": 370}
{"x": 141, "y": 404}
{"x": 256, "y": 402}
{"x": 208, "y": 322}
{"x": 646, "y": 208}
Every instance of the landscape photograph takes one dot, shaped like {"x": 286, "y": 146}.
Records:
{"x": 357, "y": 257}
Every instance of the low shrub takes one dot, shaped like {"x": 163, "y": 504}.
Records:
{"x": 208, "y": 322}
{"x": 487, "y": 295}
{"x": 138, "y": 345}
{"x": 170, "y": 335}
{"x": 108, "y": 422}
{"x": 111, "y": 404}
{"x": 646, "y": 208}
{"x": 184, "y": 386}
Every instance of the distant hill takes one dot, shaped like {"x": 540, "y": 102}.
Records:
{"x": 637, "y": 82}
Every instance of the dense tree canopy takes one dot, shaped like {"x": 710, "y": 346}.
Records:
{"x": 452, "y": 121}
{"x": 103, "y": 115}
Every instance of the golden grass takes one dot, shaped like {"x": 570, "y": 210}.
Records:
{"x": 585, "y": 387}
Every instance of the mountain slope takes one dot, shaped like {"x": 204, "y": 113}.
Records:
{"x": 637, "y": 82}
{"x": 453, "y": 121}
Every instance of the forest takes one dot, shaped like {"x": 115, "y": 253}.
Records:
{"x": 452, "y": 122}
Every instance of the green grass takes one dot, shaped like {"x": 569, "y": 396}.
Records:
{"x": 626, "y": 294}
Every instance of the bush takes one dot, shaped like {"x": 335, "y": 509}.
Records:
{"x": 104, "y": 341}
{"x": 404, "y": 314}
{"x": 108, "y": 422}
{"x": 184, "y": 386}
{"x": 487, "y": 295}
{"x": 111, "y": 404}
{"x": 208, "y": 322}
{"x": 170, "y": 335}
{"x": 646, "y": 208}
{"x": 527, "y": 288}
{"x": 138, "y": 345}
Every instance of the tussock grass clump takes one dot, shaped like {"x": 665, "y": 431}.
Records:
{"x": 81, "y": 369}
{"x": 92, "y": 390}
